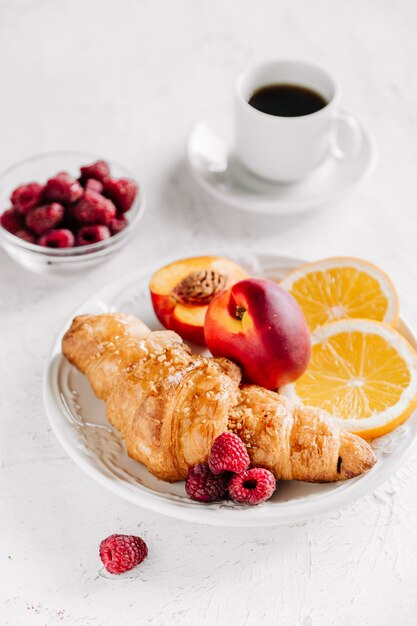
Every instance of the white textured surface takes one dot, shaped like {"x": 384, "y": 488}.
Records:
{"x": 127, "y": 79}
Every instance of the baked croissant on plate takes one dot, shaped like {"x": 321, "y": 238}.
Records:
{"x": 170, "y": 405}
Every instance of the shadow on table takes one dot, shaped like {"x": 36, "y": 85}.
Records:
{"x": 181, "y": 200}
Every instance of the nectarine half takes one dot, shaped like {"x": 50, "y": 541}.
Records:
{"x": 182, "y": 291}
{"x": 259, "y": 325}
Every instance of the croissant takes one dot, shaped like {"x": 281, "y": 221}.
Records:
{"x": 169, "y": 405}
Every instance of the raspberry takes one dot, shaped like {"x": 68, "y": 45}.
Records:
{"x": 60, "y": 238}
{"x": 202, "y": 485}
{"x": 92, "y": 234}
{"x": 117, "y": 224}
{"x": 93, "y": 185}
{"x": 228, "y": 454}
{"x": 93, "y": 208}
{"x": 22, "y": 233}
{"x": 122, "y": 191}
{"x": 63, "y": 188}
{"x": 99, "y": 170}
{"x": 45, "y": 217}
{"x": 121, "y": 553}
{"x": 252, "y": 487}
{"x": 26, "y": 197}
{"x": 69, "y": 220}
{"x": 11, "y": 220}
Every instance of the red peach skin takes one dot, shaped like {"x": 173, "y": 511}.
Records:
{"x": 187, "y": 318}
{"x": 259, "y": 325}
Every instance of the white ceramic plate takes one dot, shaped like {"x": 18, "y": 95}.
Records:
{"x": 79, "y": 422}
{"x": 216, "y": 168}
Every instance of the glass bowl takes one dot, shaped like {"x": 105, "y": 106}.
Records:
{"x": 62, "y": 260}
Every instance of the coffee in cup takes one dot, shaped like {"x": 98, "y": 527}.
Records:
{"x": 287, "y": 120}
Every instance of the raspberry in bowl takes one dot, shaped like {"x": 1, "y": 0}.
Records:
{"x": 67, "y": 211}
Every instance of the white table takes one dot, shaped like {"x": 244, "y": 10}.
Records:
{"x": 126, "y": 80}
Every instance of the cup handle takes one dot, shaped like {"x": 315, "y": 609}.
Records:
{"x": 347, "y": 136}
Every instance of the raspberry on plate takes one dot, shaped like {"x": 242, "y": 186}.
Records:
{"x": 99, "y": 170}
{"x": 94, "y": 208}
{"x": 93, "y": 185}
{"x": 228, "y": 454}
{"x": 122, "y": 191}
{"x": 26, "y": 197}
{"x": 59, "y": 238}
{"x": 92, "y": 234}
{"x": 45, "y": 217}
{"x": 11, "y": 220}
{"x": 253, "y": 486}
{"x": 63, "y": 188}
{"x": 121, "y": 553}
{"x": 25, "y": 234}
{"x": 118, "y": 224}
{"x": 202, "y": 485}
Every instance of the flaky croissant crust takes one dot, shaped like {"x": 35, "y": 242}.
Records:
{"x": 170, "y": 405}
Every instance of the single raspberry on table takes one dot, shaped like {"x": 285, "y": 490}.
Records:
{"x": 25, "y": 234}
{"x": 204, "y": 486}
{"x": 122, "y": 191}
{"x": 94, "y": 208}
{"x": 253, "y": 486}
{"x": 121, "y": 553}
{"x": 11, "y": 220}
{"x": 59, "y": 238}
{"x": 228, "y": 454}
{"x": 118, "y": 224}
{"x": 92, "y": 234}
{"x": 99, "y": 170}
{"x": 26, "y": 197}
{"x": 45, "y": 217}
{"x": 93, "y": 185}
{"x": 63, "y": 188}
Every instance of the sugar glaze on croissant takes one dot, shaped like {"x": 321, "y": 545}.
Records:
{"x": 170, "y": 405}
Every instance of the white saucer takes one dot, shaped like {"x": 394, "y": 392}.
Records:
{"x": 79, "y": 421}
{"x": 219, "y": 172}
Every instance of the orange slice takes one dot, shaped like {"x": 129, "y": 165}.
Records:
{"x": 362, "y": 372}
{"x": 340, "y": 288}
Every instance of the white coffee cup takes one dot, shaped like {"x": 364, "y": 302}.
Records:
{"x": 288, "y": 149}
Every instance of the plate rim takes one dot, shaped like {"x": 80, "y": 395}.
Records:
{"x": 226, "y": 516}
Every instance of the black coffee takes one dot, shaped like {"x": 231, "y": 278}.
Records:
{"x": 287, "y": 100}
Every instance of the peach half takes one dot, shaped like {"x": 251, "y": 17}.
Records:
{"x": 182, "y": 291}
{"x": 260, "y": 326}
